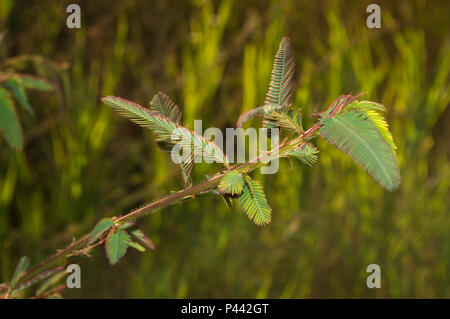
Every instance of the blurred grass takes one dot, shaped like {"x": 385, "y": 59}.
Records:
{"x": 82, "y": 161}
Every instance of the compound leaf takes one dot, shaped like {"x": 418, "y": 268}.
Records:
{"x": 254, "y": 202}
{"x": 102, "y": 226}
{"x": 232, "y": 183}
{"x": 284, "y": 121}
{"x": 21, "y": 267}
{"x": 373, "y": 109}
{"x": 116, "y": 246}
{"x": 164, "y": 129}
{"x": 355, "y": 134}
{"x": 136, "y": 246}
{"x": 305, "y": 153}
{"x": 162, "y": 104}
{"x": 139, "y": 235}
{"x": 282, "y": 79}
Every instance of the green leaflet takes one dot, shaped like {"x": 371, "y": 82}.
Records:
{"x": 34, "y": 82}
{"x": 358, "y": 137}
{"x": 254, "y": 203}
{"x": 116, "y": 246}
{"x": 164, "y": 128}
{"x": 18, "y": 90}
{"x": 232, "y": 183}
{"x": 47, "y": 284}
{"x": 373, "y": 109}
{"x": 282, "y": 79}
{"x": 366, "y": 105}
{"x": 305, "y": 153}
{"x": 21, "y": 267}
{"x": 142, "y": 238}
{"x": 35, "y": 280}
{"x": 162, "y": 104}
{"x": 280, "y": 87}
{"x": 186, "y": 170}
{"x": 284, "y": 121}
{"x": 102, "y": 226}
{"x": 9, "y": 123}
{"x": 160, "y": 125}
{"x": 383, "y": 128}
{"x": 136, "y": 246}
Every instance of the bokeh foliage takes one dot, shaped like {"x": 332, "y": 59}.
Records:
{"x": 81, "y": 162}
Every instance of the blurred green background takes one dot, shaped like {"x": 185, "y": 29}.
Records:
{"x": 81, "y": 161}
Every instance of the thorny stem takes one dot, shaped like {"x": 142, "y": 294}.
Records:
{"x": 192, "y": 190}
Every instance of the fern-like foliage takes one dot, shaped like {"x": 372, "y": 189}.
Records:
{"x": 44, "y": 275}
{"x": 282, "y": 79}
{"x": 232, "y": 184}
{"x": 372, "y": 110}
{"x": 284, "y": 121}
{"x": 306, "y": 153}
{"x": 254, "y": 202}
{"x": 281, "y": 85}
{"x": 355, "y": 134}
{"x": 164, "y": 128}
{"x": 162, "y": 104}
{"x": 143, "y": 239}
{"x": 102, "y": 227}
{"x": 116, "y": 245}
{"x": 21, "y": 267}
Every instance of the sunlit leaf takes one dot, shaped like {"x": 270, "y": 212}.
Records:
{"x": 164, "y": 128}
{"x": 232, "y": 183}
{"x": 282, "y": 79}
{"x": 355, "y": 134}
{"x": 254, "y": 203}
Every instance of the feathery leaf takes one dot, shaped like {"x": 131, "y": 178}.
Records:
{"x": 36, "y": 279}
{"x": 358, "y": 137}
{"x": 282, "y": 79}
{"x": 116, "y": 246}
{"x": 162, "y": 104}
{"x": 139, "y": 234}
{"x": 373, "y": 109}
{"x": 21, "y": 267}
{"x": 254, "y": 202}
{"x": 232, "y": 183}
{"x": 136, "y": 246}
{"x": 305, "y": 153}
{"x": 164, "y": 128}
{"x": 284, "y": 121}
{"x": 99, "y": 229}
